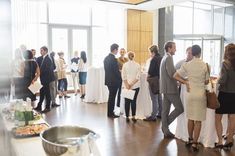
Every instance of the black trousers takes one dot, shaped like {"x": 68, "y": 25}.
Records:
{"x": 111, "y": 101}
{"x": 119, "y": 95}
{"x": 45, "y": 92}
{"x": 131, "y": 103}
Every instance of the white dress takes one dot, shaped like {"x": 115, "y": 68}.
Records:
{"x": 196, "y": 71}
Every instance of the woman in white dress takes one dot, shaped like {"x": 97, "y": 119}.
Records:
{"x": 197, "y": 76}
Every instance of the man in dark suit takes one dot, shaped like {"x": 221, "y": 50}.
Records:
{"x": 46, "y": 76}
{"x": 112, "y": 78}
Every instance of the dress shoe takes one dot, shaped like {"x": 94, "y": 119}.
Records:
{"x": 169, "y": 136}
{"x": 159, "y": 116}
{"x": 113, "y": 116}
{"x": 66, "y": 96}
{"x": 83, "y": 96}
{"x": 38, "y": 108}
{"x": 55, "y": 105}
{"x": 134, "y": 120}
{"x": 150, "y": 118}
{"x": 46, "y": 110}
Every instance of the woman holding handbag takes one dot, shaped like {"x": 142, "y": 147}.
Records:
{"x": 226, "y": 97}
{"x": 153, "y": 80}
{"x": 197, "y": 77}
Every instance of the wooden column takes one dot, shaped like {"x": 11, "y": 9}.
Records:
{"x": 139, "y": 33}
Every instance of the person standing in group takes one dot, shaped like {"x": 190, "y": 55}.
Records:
{"x": 121, "y": 60}
{"x": 34, "y": 54}
{"x": 74, "y": 72}
{"x": 82, "y": 68}
{"x": 31, "y": 74}
{"x": 181, "y": 128}
{"x": 46, "y": 76}
{"x": 18, "y": 74}
{"x": 169, "y": 89}
{"x": 53, "y": 84}
{"x": 112, "y": 78}
{"x": 154, "y": 74}
{"x": 62, "y": 80}
{"x": 131, "y": 77}
{"x": 226, "y": 97}
{"x": 197, "y": 77}
{"x": 188, "y": 58}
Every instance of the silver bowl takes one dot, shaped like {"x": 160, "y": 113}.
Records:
{"x": 65, "y": 140}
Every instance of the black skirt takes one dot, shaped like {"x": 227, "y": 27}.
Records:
{"x": 227, "y": 103}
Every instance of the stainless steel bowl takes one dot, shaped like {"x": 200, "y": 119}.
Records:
{"x": 65, "y": 140}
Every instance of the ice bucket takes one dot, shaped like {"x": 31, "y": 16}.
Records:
{"x": 66, "y": 140}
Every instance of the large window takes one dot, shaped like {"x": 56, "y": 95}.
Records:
{"x": 67, "y": 27}
{"x": 183, "y": 18}
{"x": 202, "y": 19}
{"x": 207, "y": 25}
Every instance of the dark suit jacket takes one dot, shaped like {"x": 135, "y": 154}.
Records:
{"x": 112, "y": 73}
{"x": 154, "y": 68}
{"x": 46, "y": 69}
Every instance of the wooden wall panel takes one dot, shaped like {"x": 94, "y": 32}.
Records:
{"x": 139, "y": 33}
{"x": 146, "y": 21}
{"x": 133, "y": 22}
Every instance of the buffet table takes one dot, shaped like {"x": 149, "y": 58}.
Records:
{"x": 20, "y": 147}
{"x": 208, "y": 135}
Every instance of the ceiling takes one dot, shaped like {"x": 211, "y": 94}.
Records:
{"x": 131, "y": 2}
{"x": 149, "y": 5}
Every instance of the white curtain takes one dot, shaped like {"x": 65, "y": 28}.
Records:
{"x": 27, "y": 29}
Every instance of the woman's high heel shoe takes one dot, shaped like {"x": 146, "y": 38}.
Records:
{"x": 189, "y": 142}
{"x": 218, "y": 146}
{"x": 195, "y": 147}
{"x": 224, "y": 136}
{"x": 227, "y": 146}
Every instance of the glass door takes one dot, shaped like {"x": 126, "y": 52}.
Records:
{"x": 68, "y": 39}
{"x": 212, "y": 48}
{"x": 80, "y": 40}
{"x": 59, "y": 41}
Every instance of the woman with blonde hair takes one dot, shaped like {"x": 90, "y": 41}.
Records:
{"x": 226, "y": 97}
{"x": 131, "y": 78}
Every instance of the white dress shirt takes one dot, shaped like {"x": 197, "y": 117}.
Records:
{"x": 131, "y": 71}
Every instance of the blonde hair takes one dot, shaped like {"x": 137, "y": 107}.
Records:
{"x": 131, "y": 55}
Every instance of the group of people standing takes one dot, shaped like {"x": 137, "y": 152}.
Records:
{"x": 192, "y": 72}
{"x": 52, "y": 75}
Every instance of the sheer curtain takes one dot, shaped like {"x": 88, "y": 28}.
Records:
{"x": 27, "y": 29}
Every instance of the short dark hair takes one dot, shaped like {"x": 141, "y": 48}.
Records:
{"x": 28, "y": 54}
{"x": 114, "y": 47}
{"x": 168, "y": 44}
{"x": 196, "y": 50}
{"x": 44, "y": 48}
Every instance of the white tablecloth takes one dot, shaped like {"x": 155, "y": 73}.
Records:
{"x": 143, "y": 102}
{"x": 96, "y": 91}
{"x": 208, "y": 135}
{"x": 25, "y": 146}
{"x": 33, "y": 145}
